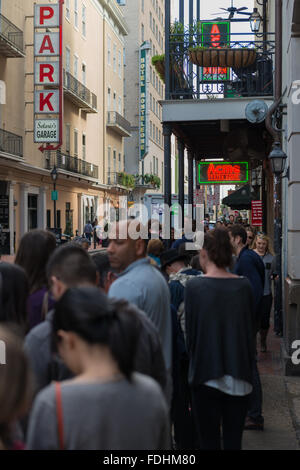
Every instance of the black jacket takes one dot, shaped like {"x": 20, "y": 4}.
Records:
{"x": 220, "y": 322}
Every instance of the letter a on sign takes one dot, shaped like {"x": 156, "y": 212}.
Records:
{"x": 46, "y": 16}
{"x": 46, "y": 44}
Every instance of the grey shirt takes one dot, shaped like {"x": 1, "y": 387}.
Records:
{"x": 144, "y": 286}
{"x": 115, "y": 415}
{"x": 270, "y": 268}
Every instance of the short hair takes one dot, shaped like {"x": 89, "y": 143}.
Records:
{"x": 218, "y": 247}
{"x": 103, "y": 266}
{"x": 72, "y": 265}
{"x": 238, "y": 230}
{"x": 155, "y": 247}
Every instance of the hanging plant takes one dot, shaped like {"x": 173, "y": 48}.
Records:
{"x": 223, "y": 57}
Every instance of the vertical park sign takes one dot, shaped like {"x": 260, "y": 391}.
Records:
{"x": 48, "y": 79}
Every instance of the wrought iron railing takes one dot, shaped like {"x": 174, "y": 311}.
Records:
{"x": 81, "y": 91}
{"x": 115, "y": 118}
{"x": 11, "y": 143}
{"x": 191, "y": 81}
{"x": 11, "y": 33}
{"x": 70, "y": 163}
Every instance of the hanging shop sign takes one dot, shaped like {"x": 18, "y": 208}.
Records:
{"x": 144, "y": 112}
{"x": 215, "y": 34}
{"x": 223, "y": 173}
{"x": 256, "y": 213}
{"x": 48, "y": 75}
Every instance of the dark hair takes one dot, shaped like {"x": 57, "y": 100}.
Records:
{"x": 97, "y": 319}
{"x": 34, "y": 251}
{"x": 14, "y": 291}
{"x": 238, "y": 230}
{"x": 103, "y": 267}
{"x": 72, "y": 265}
{"x": 195, "y": 263}
{"x": 218, "y": 246}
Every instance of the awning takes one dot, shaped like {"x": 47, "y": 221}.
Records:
{"x": 240, "y": 199}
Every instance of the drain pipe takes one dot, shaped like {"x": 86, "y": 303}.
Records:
{"x": 278, "y": 72}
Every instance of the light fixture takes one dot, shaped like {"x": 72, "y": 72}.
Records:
{"x": 277, "y": 158}
{"x": 255, "y": 21}
{"x": 54, "y": 174}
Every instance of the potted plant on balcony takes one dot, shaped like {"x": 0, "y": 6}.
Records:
{"x": 222, "y": 57}
{"x": 126, "y": 180}
{"x": 153, "y": 180}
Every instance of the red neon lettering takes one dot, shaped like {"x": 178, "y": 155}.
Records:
{"x": 44, "y": 16}
{"x": 46, "y": 101}
{"x": 223, "y": 173}
{"x": 46, "y": 71}
{"x": 46, "y": 45}
{"x": 215, "y": 36}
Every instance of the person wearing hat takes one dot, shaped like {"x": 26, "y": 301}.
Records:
{"x": 176, "y": 266}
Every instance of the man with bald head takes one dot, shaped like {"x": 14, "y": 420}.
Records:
{"x": 139, "y": 282}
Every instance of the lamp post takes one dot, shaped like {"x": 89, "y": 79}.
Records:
{"x": 54, "y": 176}
{"x": 278, "y": 160}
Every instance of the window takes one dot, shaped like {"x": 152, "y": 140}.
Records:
{"x": 68, "y": 16}
{"x": 76, "y": 13}
{"x": 83, "y": 146}
{"x": 120, "y": 169}
{"x": 115, "y": 162}
{"x": 68, "y": 59}
{"x": 58, "y": 219}
{"x": 143, "y": 33}
{"x": 75, "y": 66}
{"x": 84, "y": 74}
{"x": 109, "y": 51}
{"x": 68, "y": 138}
{"x": 108, "y": 164}
{"x": 84, "y": 20}
{"x": 75, "y": 143}
{"x": 32, "y": 211}
{"x": 115, "y": 102}
{"x": 154, "y": 166}
{"x": 48, "y": 218}
{"x": 109, "y": 99}
{"x": 120, "y": 105}
{"x": 115, "y": 58}
{"x": 120, "y": 64}
{"x": 143, "y": 6}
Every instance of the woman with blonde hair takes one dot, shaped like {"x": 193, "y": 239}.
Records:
{"x": 15, "y": 388}
{"x": 262, "y": 246}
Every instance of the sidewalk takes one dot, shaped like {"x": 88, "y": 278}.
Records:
{"x": 281, "y": 397}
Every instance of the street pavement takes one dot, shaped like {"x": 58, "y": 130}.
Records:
{"x": 281, "y": 404}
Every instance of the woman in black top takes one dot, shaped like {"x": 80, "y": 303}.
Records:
{"x": 220, "y": 341}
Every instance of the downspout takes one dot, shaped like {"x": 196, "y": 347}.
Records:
{"x": 278, "y": 72}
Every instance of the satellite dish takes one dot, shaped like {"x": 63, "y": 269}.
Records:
{"x": 256, "y": 111}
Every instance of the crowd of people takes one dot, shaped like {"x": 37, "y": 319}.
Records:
{"x": 138, "y": 347}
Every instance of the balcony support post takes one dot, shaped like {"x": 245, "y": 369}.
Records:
{"x": 191, "y": 178}
{"x": 181, "y": 178}
{"x": 168, "y": 180}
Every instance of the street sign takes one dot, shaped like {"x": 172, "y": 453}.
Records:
{"x": 143, "y": 98}
{"x": 257, "y": 213}
{"x": 54, "y": 195}
{"x": 46, "y": 130}
{"x": 223, "y": 173}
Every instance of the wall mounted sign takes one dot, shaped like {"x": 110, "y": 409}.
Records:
{"x": 256, "y": 213}
{"x": 48, "y": 71}
{"x": 144, "y": 89}
{"x": 223, "y": 173}
{"x": 215, "y": 34}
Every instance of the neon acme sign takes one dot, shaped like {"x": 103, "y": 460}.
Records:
{"x": 214, "y": 173}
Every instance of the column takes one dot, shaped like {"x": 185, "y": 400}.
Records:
{"x": 191, "y": 177}
{"x": 12, "y": 227}
{"x": 42, "y": 208}
{"x": 24, "y": 208}
{"x": 168, "y": 176}
{"x": 80, "y": 213}
{"x": 181, "y": 178}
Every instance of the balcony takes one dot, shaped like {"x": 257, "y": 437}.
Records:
{"x": 119, "y": 124}
{"x": 79, "y": 94}
{"x": 190, "y": 79}
{"x": 71, "y": 164}
{"x": 131, "y": 182}
{"x": 11, "y": 39}
{"x": 10, "y": 143}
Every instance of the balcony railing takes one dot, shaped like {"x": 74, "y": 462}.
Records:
{"x": 11, "y": 39}
{"x": 191, "y": 81}
{"x": 79, "y": 94}
{"x": 11, "y": 143}
{"x": 72, "y": 164}
{"x": 118, "y": 123}
{"x": 133, "y": 181}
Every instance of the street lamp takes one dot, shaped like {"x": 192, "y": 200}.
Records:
{"x": 255, "y": 21}
{"x": 278, "y": 160}
{"x": 54, "y": 176}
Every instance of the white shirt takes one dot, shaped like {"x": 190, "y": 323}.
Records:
{"x": 231, "y": 386}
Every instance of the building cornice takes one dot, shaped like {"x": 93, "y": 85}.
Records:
{"x": 112, "y": 9}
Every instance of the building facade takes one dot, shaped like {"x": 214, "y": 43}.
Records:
{"x": 93, "y": 51}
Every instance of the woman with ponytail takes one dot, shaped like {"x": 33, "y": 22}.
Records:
{"x": 220, "y": 332}
{"x": 106, "y": 406}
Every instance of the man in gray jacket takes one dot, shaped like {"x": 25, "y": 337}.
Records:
{"x": 71, "y": 266}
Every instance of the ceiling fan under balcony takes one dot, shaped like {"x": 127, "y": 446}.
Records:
{"x": 233, "y": 10}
